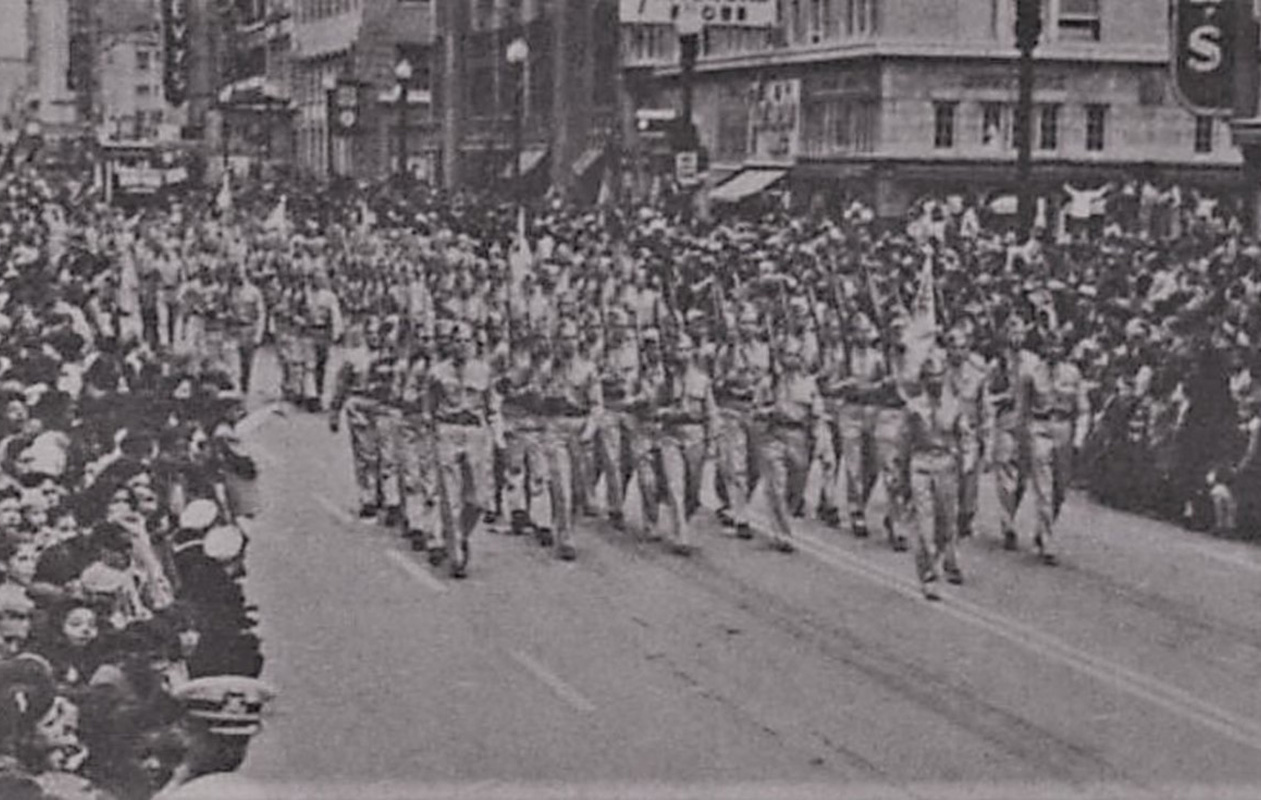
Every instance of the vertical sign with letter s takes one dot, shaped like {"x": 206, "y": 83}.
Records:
{"x": 1202, "y": 33}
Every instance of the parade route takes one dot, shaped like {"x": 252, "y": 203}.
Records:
{"x": 1127, "y": 671}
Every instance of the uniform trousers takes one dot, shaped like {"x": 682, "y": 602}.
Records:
{"x": 1051, "y": 463}
{"x": 365, "y": 450}
{"x": 1012, "y": 463}
{"x": 935, "y": 497}
{"x": 682, "y": 456}
{"x": 871, "y": 447}
{"x": 733, "y": 438}
{"x": 421, "y": 488}
{"x": 785, "y": 457}
{"x": 465, "y": 460}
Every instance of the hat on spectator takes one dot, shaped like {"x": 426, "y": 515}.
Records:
{"x": 14, "y": 598}
{"x": 230, "y": 705}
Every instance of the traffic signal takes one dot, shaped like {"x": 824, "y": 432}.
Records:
{"x": 1028, "y": 23}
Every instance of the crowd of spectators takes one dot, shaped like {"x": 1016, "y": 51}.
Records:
{"x": 121, "y": 546}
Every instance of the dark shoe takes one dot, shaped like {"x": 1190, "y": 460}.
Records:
{"x": 417, "y": 540}
{"x": 367, "y": 511}
{"x": 459, "y": 564}
{"x": 725, "y": 519}
{"x": 681, "y": 549}
{"x": 520, "y": 523}
{"x": 314, "y": 406}
{"x": 393, "y": 517}
{"x": 1009, "y": 540}
{"x": 859, "y": 526}
{"x": 437, "y": 555}
{"x": 965, "y": 528}
{"x": 544, "y": 536}
{"x": 744, "y": 531}
{"x": 929, "y": 585}
{"x": 898, "y": 543}
{"x": 1045, "y": 553}
{"x": 783, "y": 546}
{"x": 830, "y": 517}
{"x": 567, "y": 552}
{"x": 954, "y": 575}
{"x": 616, "y": 520}
{"x": 490, "y": 517}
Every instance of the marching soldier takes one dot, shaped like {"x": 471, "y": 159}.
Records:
{"x": 743, "y": 381}
{"x": 412, "y": 431}
{"x": 464, "y": 405}
{"x": 688, "y": 419}
{"x": 871, "y": 428}
{"x": 966, "y": 374}
{"x": 941, "y": 446}
{"x": 324, "y": 326}
{"x": 247, "y": 314}
{"x": 352, "y": 393}
{"x": 1010, "y": 449}
{"x": 795, "y": 426}
{"x": 573, "y": 403}
{"x": 619, "y": 374}
{"x": 834, "y": 370}
{"x": 643, "y": 429}
{"x": 524, "y": 468}
{"x": 1059, "y": 413}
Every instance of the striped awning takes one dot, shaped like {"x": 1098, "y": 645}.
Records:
{"x": 746, "y": 184}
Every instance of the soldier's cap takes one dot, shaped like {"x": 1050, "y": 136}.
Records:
{"x": 695, "y": 315}
{"x": 568, "y": 329}
{"x": 749, "y": 315}
{"x": 229, "y": 705}
{"x": 198, "y": 515}
{"x": 650, "y": 336}
{"x": 933, "y": 367}
{"x": 957, "y": 337}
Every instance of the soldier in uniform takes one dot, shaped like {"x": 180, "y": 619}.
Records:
{"x": 688, "y": 417}
{"x": 941, "y": 446}
{"x": 795, "y": 425}
{"x": 412, "y": 431}
{"x": 465, "y": 407}
{"x": 524, "y": 468}
{"x": 619, "y": 374}
{"x": 966, "y": 374}
{"x": 324, "y": 327}
{"x": 573, "y": 402}
{"x": 743, "y": 381}
{"x": 352, "y": 393}
{"x": 247, "y": 315}
{"x": 1059, "y": 419}
{"x": 871, "y": 426}
{"x": 643, "y": 429}
{"x": 1009, "y": 450}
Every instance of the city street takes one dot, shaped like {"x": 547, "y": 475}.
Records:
{"x": 1130, "y": 670}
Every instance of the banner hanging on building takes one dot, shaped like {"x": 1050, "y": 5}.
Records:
{"x": 740, "y": 13}
{"x": 175, "y": 51}
{"x": 774, "y": 125}
{"x": 1203, "y": 58}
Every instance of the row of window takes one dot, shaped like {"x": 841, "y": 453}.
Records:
{"x": 842, "y": 125}
{"x": 1000, "y": 127}
{"x": 318, "y": 9}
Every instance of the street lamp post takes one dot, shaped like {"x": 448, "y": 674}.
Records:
{"x": 518, "y": 54}
{"x": 688, "y": 25}
{"x": 403, "y": 73}
{"x": 1028, "y": 31}
{"x": 329, "y": 83}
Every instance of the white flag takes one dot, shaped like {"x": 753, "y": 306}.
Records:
{"x": 921, "y": 334}
{"x": 278, "y": 220}
{"x": 224, "y": 200}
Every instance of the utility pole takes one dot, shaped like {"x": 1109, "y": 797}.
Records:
{"x": 1028, "y": 31}
{"x": 453, "y": 26}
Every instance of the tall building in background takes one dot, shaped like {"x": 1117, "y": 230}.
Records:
{"x": 15, "y": 61}
{"x": 892, "y": 99}
{"x": 54, "y": 102}
{"x": 131, "y": 104}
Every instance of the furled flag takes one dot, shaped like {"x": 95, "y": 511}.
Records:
{"x": 278, "y": 220}
{"x": 224, "y": 199}
{"x": 921, "y": 333}
{"x": 520, "y": 261}
{"x": 367, "y": 217}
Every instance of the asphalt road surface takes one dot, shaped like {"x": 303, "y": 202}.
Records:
{"x": 1131, "y": 670}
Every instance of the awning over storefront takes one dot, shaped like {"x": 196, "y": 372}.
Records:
{"x": 746, "y": 184}
{"x": 530, "y": 160}
{"x": 254, "y": 92}
{"x": 589, "y": 158}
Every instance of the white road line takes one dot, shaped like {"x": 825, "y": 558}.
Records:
{"x": 1176, "y": 701}
{"x": 564, "y": 691}
{"x": 339, "y": 513}
{"x": 256, "y": 418}
{"x": 416, "y": 571}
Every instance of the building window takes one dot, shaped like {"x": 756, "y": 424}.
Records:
{"x": 944, "y": 125}
{"x": 862, "y": 17}
{"x": 994, "y": 128}
{"x": 1079, "y": 21}
{"x": 1096, "y": 127}
{"x": 142, "y": 90}
{"x": 1204, "y": 130}
{"x": 142, "y": 60}
{"x": 1048, "y": 127}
